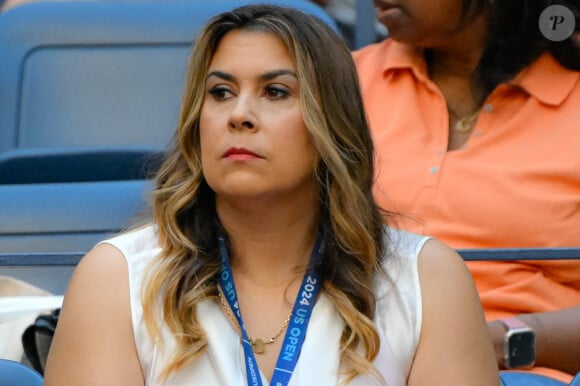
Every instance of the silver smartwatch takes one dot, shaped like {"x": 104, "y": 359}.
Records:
{"x": 519, "y": 344}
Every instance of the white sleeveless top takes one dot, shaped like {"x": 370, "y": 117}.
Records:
{"x": 398, "y": 321}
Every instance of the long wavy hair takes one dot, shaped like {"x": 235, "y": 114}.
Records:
{"x": 514, "y": 40}
{"x": 185, "y": 271}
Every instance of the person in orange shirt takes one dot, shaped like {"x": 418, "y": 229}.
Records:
{"x": 474, "y": 107}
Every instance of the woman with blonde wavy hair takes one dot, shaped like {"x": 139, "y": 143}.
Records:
{"x": 267, "y": 260}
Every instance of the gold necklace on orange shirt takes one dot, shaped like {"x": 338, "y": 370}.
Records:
{"x": 464, "y": 124}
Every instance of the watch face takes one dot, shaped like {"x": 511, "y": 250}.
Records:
{"x": 522, "y": 349}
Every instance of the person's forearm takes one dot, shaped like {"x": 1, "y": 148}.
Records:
{"x": 557, "y": 338}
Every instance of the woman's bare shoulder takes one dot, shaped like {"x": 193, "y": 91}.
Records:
{"x": 454, "y": 347}
{"x": 95, "y": 330}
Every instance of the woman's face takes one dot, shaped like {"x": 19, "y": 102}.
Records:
{"x": 254, "y": 143}
{"x": 419, "y": 22}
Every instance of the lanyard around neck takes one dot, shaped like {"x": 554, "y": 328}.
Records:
{"x": 296, "y": 332}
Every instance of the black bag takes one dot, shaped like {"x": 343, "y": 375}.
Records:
{"x": 37, "y": 338}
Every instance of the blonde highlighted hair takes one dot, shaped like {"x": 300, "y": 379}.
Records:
{"x": 184, "y": 206}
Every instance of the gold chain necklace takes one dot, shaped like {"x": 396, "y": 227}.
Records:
{"x": 463, "y": 125}
{"x": 258, "y": 344}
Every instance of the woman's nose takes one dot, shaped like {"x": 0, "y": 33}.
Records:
{"x": 243, "y": 112}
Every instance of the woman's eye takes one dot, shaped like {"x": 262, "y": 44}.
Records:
{"x": 220, "y": 92}
{"x": 276, "y": 92}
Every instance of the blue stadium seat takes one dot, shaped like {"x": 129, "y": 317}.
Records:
{"x": 67, "y": 217}
{"x": 58, "y": 165}
{"x": 104, "y": 74}
{"x": 518, "y": 378}
{"x": 16, "y": 374}
{"x": 46, "y": 228}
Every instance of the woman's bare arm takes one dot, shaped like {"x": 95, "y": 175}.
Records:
{"x": 454, "y": 348}
{"x": 93, "y": 342}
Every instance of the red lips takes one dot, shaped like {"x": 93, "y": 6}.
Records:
{"x": 239, "y": 152}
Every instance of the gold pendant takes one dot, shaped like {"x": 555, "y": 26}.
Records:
{"x": 258, "y": 346}
{"x": 463, "y": 125}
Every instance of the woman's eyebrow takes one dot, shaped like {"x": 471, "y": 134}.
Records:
{"x": 276, "y": 73}
{"x": 222, "y": 75}
{"x": 264, "y": 77}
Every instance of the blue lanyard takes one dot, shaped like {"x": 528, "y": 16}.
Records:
{"x": 296, "y": 331}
